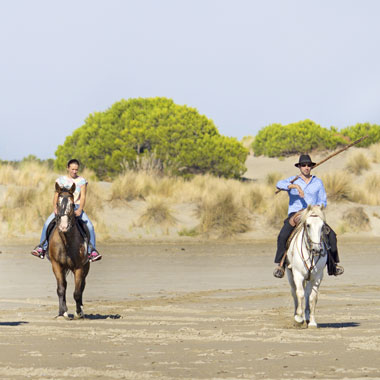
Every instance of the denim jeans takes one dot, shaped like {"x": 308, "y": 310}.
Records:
{"x": 85, "y": 219}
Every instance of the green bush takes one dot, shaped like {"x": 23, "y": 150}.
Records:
{"x": 152, "y": 133}
{"x": 281, "y": 140}
{"x": 359, "y": 130}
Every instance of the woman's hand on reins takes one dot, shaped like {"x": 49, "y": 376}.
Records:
{"x": 78, "y": 212}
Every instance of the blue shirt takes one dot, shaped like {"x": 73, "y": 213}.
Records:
{"x": 315, "y": 193}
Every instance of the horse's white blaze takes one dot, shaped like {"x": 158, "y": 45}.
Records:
{"x": 64, "y": 220}
{"x": 306, "y": 271}
{"x": 64, "y": 224}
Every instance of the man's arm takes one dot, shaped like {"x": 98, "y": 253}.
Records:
{"x": 286, "y": 185}
{"x": 322, "y": 197}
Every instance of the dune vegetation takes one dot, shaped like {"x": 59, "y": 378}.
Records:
{"x": 217, "y": 207}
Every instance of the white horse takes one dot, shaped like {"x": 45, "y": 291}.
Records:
{"x": 307, "y": 257}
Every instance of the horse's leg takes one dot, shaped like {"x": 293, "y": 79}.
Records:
{"x": 313, "y": 300}
{"x": 308, "y": 288}
{"x": 61, "y": 288}
{"x": 300, "y": 293}
{"x": 292, "y": 288}
{"x": 80, "y": 283}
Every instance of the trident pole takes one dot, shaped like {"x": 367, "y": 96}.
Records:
{"x": 330, "y": 156}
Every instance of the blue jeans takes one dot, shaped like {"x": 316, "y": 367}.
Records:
{"x": 85, "y": 219}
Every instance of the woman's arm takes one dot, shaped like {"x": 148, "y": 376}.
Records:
{"x": 82, "y": 202}
{"x": 55, "y": 200}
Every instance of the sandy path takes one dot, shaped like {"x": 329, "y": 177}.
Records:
{"x": 191, "y": 311}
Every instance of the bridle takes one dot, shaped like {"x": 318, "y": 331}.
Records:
{"x": 64, "y": 210}
{"x": 315, "y": 254}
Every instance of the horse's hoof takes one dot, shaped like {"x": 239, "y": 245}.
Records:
{"x": 79, "y": 316}
{"x": 62, "y": 317}
{"x": 299, "y": 320}
{"x": 312, "y": 325}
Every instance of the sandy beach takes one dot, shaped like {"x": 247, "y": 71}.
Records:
{"x": 188, "y": 311}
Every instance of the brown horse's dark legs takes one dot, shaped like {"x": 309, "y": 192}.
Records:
{"x": 80, "y": 283}
{"x": 61, "y": 288}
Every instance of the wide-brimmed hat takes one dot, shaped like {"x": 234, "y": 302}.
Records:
{"x": 304, "y": 159}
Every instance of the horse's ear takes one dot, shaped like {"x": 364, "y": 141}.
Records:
{"x": 72, "y": 188}
{"x": 58, "y": 188}
{"x": 309, "y": 207}
{"x": 322, "y": 207}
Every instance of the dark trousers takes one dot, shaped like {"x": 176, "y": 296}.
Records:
{"x": 285, "y": 233}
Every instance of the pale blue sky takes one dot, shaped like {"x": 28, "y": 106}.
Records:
{"x": 243, "y": 63}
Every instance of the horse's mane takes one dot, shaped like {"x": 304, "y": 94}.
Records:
{"x": 309, "y": 211}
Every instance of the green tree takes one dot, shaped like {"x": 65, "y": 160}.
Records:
{"x": 304, "y": 136}
{"x": 359, "y": 130}
{"x": 153, "y": 132}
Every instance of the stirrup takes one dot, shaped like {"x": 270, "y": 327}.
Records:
{"x": 338, "y": 270}
{"x": 279, "y": 272}
{"x": 38, "y": 252}
{"x": 94, "y": 256}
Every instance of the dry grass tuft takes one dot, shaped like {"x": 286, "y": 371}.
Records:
{"x": 29, "y": 197}
{"x": 338, "y": 186}
{"x": 357, "y": 163}
{"x": 272, "y": 178}
{"x": 131, "y": 185}
{"x": 29, "y": 174}
{"x": 375, "y": 152}
{"x": 25, "y": 209}
{"x": 356, "y": 219}
{"x": 368, "y": 193}
{"x": 372, "y": 183}
{"x": 157, "y": 212}
{"x": 256, "y": 197}
{"x": 222, "y": 215}
{"x": 188, "y": 232}
{"x": 140, "y": 185}
{"x": 94, "y": 201}
{"x": 278, "y": 210}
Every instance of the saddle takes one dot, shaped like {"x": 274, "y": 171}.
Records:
{"x": 293, "y": 221}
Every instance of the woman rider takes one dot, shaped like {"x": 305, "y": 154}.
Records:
{"x": 79, "y": 201}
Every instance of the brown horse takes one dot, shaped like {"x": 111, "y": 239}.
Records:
{"x": 68, "y": 252}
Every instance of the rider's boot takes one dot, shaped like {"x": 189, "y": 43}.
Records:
{"x": 279, "y": 272}
{"x": 94, "y": 255}
{"x": 39, "y": 252}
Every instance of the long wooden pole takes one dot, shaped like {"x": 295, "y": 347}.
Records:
{"x": 331, "y": 156}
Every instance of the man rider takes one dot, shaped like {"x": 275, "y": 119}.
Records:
{"x": 306, "y": 190}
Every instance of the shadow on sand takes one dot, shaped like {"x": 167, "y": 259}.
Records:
{"x": 102, "y": 316}
{"x": 337, "y": 325}
{"x": 19, "y": 323}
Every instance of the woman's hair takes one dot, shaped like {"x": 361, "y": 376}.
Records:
{"x": 73, "y": 161}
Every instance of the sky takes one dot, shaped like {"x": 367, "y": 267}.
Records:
{"x": 244, "y": 64}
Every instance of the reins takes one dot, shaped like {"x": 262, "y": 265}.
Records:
{"x": 312, "y": 253}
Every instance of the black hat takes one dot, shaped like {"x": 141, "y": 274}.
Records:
{"x": 305, "y": 159}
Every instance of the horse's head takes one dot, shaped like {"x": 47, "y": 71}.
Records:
{"x": 65, "y": 207}
{"x": 315, "y": 226}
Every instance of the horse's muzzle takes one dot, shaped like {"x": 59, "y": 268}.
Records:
{"x": 317, "y": 251}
